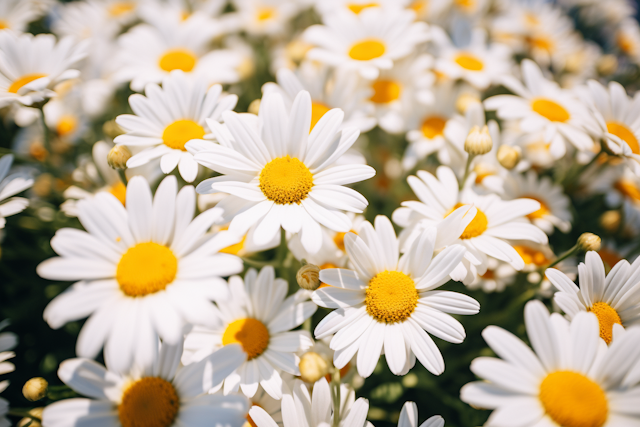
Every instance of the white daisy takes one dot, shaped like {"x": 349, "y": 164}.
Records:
{"x": 163, "y": 394}
{"x": 32, "y": 65}
{"x": 300, "y": 408}
{"x": 368, "y": 42}
{"x": 328, "y": 7}
{"x": 259, "y": 317}
{"x": 17, "y": 14}
{"x": 554, "y": 204}
{"x": 391, "y": 300}
{"x": 409, "y": 417}
{"x": 265, "y": 17}
{"x": 617, "y": 121}
{"x": 572, "y": 379}
{"x": 614, "y": 300}
{"x": 144, "y": 271}
{"x": 168, "y": 117}
{"x": 498, "y": 276}
{"x": 277, "y": 174}
{"x": 10, "y": 186}
{"x": 476, "y": 62}
{"x": 65, "y": 114}
{"x": 328, "y": 89}
{"x": 543, "y": 106}
{"x": 149, "y": 52}
{"x": 627, "y": 39}
{"x": 270, "y": 405}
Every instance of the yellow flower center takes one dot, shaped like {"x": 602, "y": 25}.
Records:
{"x": 26, "y": 79}
{"x": 286, "y": 180}
{"x": 531, "y": 255}
{"x": 624, "y": 133}
{"x": 482, "y": 171}
{"x": 178, "y": 59}
{"x": 607, "y": 317}
{"x": 476, "y": 227}
{"x": 146, "y": 268}
{"x": 573, "y": 400}
{"x": 178, "y": 133}
{"x": 120, "y": 191}
{"x": 541, "y": 42}
{"x": 366, "y": 50}
{"x": 418, "y": 6}
{"x": 625, "y": 43}
{"x": 628, "y": 189}
{"x": 3, "y": 24}
{"x": 391, "y": 297}
{"x": 120, "y": 8}
{"x": 550, "y": 110}
{"x": 385, "y": 91}
{"x": 338, "y": 239}
{"x": 540, "y": 213}
{"x": 236, "y": 248}
{"x": 469, "y": 62}
{"x": 66, "y": 125}
{"x": 465, "y": 4}
{"x": 265, "y": 13}
{"x": 149, "y": 402}
{"x": 359, "y": 7}
{"x": 433, "y": 126}
{"x": 252, "y": 334}
{"x": 318, "y": 109}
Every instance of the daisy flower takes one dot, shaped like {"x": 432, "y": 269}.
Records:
{"x": 328, "y": 89}
{"x": 617, "y": 120}
{"x": 278, "y": 174}
{"x": 10, "y": 186}
{"x": 569, "y": 379}
{"x": 627, "y": 39}
{"x": 300, "y": 408}
{"x": 476, "y": 62}
{"x": 143, "y": 271}
{"x": 614, "y": 299}
{"x": 33, "y": 65}
{"x": 17, "y": 14}
{"x": 267, "y": 403}
{"x": 554, "y": 204}
{"x": 487, "y": 235}
{"x": 391, "y": 300}
{"x": 149, "y": 52}
{"x": 368, "y": 42}
{"x": 163, "y": 394}
{"x": 8, "y": 341}
{"x": 498, "y": 276}
{"x": 259, "y": 317}
{"x": 328, "y": 7}
{"x": 542, "y": 105}
{"x": 409, "y": 417}
{"x": 265, "y": 17}
{"x": 168, "y": 117}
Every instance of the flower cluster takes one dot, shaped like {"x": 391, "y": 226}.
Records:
{"x": 249, "y": 202}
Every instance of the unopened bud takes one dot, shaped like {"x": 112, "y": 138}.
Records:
{"x": 308, "y": 277}
{"x": 508, "y": 156}
{"x": 313, "y": 367}
{"x": 478, "y": 141}
{"x": 112, "y": 129}
{"x": 297, "y": 50}
{"x": 465, "y": 100}
{"x": 254, "y": 107}
{"x": 589, "y": 242}
{"x": 35, "y": 389}
{"x": 32, "y": 421}
{"x": 610, "y": 220}
{"x": 607, "y": 65}
{"x": 118, "y": 157}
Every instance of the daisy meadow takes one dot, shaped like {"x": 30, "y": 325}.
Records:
{"x": 409, "y": 417}
{"x": 10, "y": 186}
{"x": 278, "y": 174}
{"x": 143, "y": 271}
{"x": 615, "y": 299}
{"x": 569, "y": 379}
{"x": 32, "y": 65}
{"x": 170, "y": 116}
{"x": 391, "y": 300}
{"x": 259, "y": 317}
{"x": 17, "y": 14}
{"x": 303, "y": 409}
{"x": 163, "y": 394}
{"x": 368, "y": 42}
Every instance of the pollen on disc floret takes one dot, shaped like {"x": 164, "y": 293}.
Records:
{"x": 286, "y": 180}
{"x": 391, "y": 297}
{"x": 146, "y": 268}
{"x": 149, "y": 402}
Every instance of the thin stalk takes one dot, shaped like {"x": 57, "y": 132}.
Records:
{"x": 558, "y": 260}
{"x": 335, "y": 385}
{"x": 123, "y": 176}
{"x": 467, "y": 170}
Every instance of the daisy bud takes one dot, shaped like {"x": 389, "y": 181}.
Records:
{"x": 313, "y": 367}
{"x": 118, "y": 156}
{"x": 254, "y": 107}
{"x": 308, "y": 277}
{"x": 112, "y": 129}
{"x": 478, "y": 141}
{"x": 35, "y": 389}
{"x": 36, "y": 413}
{"x": 508, "y": 156}
{"x": 610, "y": 220}
{"x": 589, "y": 242}
{"x": 607, "y": 65}
{"x": 465, "y": 100}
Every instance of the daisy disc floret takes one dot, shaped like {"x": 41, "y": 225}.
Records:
{"x": 144, "y": 271}
{"x": 391, "y": 301}
{"x": 278, "y": 174}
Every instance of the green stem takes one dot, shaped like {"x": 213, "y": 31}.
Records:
{"x": 335, "y": 385}
{"x": 24, "y": 413}
{"x": 557, "y": 261}
{"x": 255, "y": 263}
{"x": 467, "y": 170}
{"x": 45, "y": 132}
{"x": 123, "y": 176}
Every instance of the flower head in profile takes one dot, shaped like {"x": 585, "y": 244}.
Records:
{"x": 10, "y": 186}
{"x": 570, "y": 378}
{"x": 143, "y": 271}
{"x": 391, "y": 302}
{"x": 278, "y": 174}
